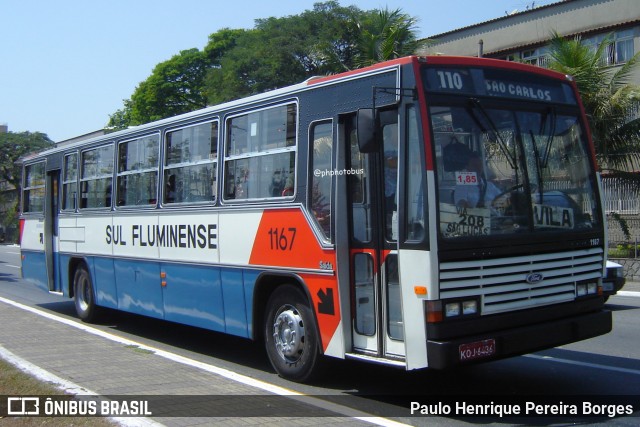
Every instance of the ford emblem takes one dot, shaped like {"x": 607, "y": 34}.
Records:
{"x": 534, "y": 278}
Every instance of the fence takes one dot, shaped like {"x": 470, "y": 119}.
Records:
{"x": 621, "y": 200}
{"x": 621, "y": 245}
{"x": 621, "y": 196}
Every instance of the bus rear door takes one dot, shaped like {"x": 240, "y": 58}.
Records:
{"x": 50, "y": 235}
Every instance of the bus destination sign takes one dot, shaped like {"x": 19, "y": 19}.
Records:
{"x": 497, "y": 83}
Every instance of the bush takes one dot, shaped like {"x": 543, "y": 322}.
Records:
{"x": 624, "y": 251}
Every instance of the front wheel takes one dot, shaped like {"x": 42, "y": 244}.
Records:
{"x": 84, "y": 296}
{"x": 291, "y": 337}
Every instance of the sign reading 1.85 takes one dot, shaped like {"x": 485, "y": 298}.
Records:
{"x": 466, "y": 178}
{"x": 450, "y": 80}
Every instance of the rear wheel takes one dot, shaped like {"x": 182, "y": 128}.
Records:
{"x": 84, "y": 296}
{"x": 291, "y": 336}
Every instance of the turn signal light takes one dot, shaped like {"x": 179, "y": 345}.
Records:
{"x": 420, "y": 290}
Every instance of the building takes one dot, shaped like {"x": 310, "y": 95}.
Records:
{"x": 525, "y": 35}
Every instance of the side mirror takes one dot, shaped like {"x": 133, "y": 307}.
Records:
{"x": 366, "y": 128}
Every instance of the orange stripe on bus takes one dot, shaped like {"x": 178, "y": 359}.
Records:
{"x": 285, "y": 239}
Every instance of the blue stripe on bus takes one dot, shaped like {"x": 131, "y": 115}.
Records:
{"x": 103, "y": 275}
{"x": 138, "y": 287}
{"x": 250, "y": 278}
{"x": 34, "y": 268}
{"x": 63, "y": 274}
{"x": 209, "y": 297}
{"x": 193, "y": 295}
{"x": 234, "y": 302}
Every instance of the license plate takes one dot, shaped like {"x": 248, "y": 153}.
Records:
{"x": 477, "y": 350}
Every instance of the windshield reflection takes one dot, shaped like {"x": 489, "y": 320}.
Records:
{"x": 502, "y": 171}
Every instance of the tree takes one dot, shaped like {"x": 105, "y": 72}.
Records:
{"x": 385, "y": 35}
{"x": 174, "y": 87}
{"x": 277, "y": 52}
{"x": 609, "y": 98}
{"x": 259, "y": 62}
{"x": 220, "y": 43}
{"x": 323, "y": 39}
{"x": 284, "y": 51}
{"x": 13, "y": 146}
{"x": 121, "y": 119}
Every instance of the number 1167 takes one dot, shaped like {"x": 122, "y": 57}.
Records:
{"x": 282, "y": 239}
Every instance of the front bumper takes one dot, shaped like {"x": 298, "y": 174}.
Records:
{"x": 522, "y": 339}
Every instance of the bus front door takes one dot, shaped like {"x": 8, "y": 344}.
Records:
{"x": 372, "y": 183}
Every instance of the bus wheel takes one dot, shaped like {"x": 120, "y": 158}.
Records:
{"x": 84, "y": 296}
{"x": 291, "y": 337}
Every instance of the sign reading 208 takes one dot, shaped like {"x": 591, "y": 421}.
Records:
{"x": 450, "y": 80}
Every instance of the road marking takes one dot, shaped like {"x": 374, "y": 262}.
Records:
{"x": 13, "y": 266}
{"x": 68, "y": 387}
{"x": 252, "y": 382}
{"x": 628, "y": 294}
{"x": 585, "y": 364}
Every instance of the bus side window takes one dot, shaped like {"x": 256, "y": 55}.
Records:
{"x": 260, "y": 154}
{"x": 170, "y": 190}
{"x": 95, "y": 177}
{"x": 83, "y": 199}
{"x": 231, "y": 190}
{"x": 321, "y": 181}
{"x": 191, "y": 164}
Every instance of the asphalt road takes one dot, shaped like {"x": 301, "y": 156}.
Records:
{"x": 605, "y": 366}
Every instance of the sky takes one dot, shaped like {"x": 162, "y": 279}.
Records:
{"x": 66, "y": 65}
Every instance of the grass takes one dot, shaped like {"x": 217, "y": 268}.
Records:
{"x": 14, "y": 382}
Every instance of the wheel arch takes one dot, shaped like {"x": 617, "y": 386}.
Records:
{"x": 266, "y": 284}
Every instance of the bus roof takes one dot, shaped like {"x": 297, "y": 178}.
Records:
{"x": 310, "y": 83}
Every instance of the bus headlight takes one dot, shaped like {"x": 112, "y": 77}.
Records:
{"x": 584, "y": 289}
{"x": 460, "y": 308}
{"x": 452, "y": 309}
{"x": 439, "y": 310}
{"x": 581, "y": 289}
{"x": 469, "y": 307}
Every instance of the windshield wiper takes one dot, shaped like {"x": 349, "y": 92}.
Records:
{"x": 543, "y": 163}
{"x": 539, "y": 165}
{"x": 501, "y": 143}
{"x": 552, "y": 133}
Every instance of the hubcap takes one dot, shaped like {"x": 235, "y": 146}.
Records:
{"x": 288, "y": 333}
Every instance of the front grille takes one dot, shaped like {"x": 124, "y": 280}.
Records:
{"x": 502, "y": 283}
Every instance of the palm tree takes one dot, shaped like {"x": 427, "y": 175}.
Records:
{"x": 611, "y": 101}
{"x": 383, "y": 35}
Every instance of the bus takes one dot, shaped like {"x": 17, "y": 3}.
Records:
{"x": 425, "y": 212}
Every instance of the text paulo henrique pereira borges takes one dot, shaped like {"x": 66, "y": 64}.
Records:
{"x": 521, "y": 409}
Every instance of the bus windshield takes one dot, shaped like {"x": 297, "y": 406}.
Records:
{"x": 506, "y": 168}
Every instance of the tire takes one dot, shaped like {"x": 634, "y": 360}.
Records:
{"x": 291, "y": 336}
{"x": 84, "y": 295}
